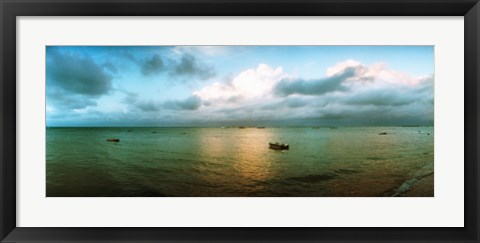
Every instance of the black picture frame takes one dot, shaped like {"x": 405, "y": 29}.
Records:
{"x": 10, "y": 9}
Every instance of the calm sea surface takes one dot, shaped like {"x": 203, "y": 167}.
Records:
{"x": 343, "y": 161}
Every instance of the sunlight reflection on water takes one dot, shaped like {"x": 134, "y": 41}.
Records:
{"x": 348, "y": 161}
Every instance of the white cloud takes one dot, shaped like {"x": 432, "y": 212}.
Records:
{"x": 339, "y": 67}
{"x": 260, "y": 81}
{"x": 251, "y": 83}
{"x": 361, "y": 92}
{"x": 378, "y": 73}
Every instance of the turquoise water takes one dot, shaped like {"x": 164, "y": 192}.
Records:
{"x": 186, "y": 162}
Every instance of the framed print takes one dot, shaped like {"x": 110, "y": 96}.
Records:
{"x": 201, "y": 137}
{"x": 239, "y": 121}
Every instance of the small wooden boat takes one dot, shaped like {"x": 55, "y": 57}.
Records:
{"x": 113, "y": 139}
{"x": 279, "y": 146}
{"x": 383, "y": 133}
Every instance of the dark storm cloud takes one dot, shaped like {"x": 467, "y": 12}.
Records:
{"x": 187, "y": 66}
{"x": 411, "y": 114}
{"x": 110, "y": 67}
{"x": 153, "y": 65}
{"x": 132, "y": 100}
{"x": 70, "y": 101}
{"x": 78, "y": 75}
{"x": 191, "y": 103}
{"x": 190, "y": 66}
{"x": 75, "y": 81}
{"x": 427, "y": 87}
{"x": 393, "y": 95}
{"x": 148, "y": 105}
{"x": 288, "y": 87}
{"x": 130, "y": 97}
{"x": 288, "y": 102}
{"x": 392, "y": 105}
{"x": 384, "y": 97}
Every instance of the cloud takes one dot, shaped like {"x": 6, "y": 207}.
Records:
{"x": 190, "y": 66}
{"x": 387, "y": 96}
{"x": 75, "y": 81}
{"x": 348, "y": 64}
{"x": 110, "y": 67}
{"x": 186, "y": 66}
{"x": 149, "y": 105}
{"x": 250, "y": 83}
{"x": 152, "y": 65}
{"x": 191, "y": 103}
{"x": 415, "y": 113}
{"x": 288, "y": 87}
{"x": 289, "y": 102}
{"x": 351, "y": 92}
{"x": 131, "y": 99}
{"x": 70, "y": 101}
{"x": 76, "y": 74}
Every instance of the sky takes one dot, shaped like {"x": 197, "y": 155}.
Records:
{"x": 239, "y": 85}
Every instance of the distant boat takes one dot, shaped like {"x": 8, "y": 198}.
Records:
{"x": 383, "y": 133}
{"x": 279, "y": 146}
{"x": 113, "y": 139}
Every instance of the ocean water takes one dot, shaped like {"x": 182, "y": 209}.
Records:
{"x": 233, "y": 162}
